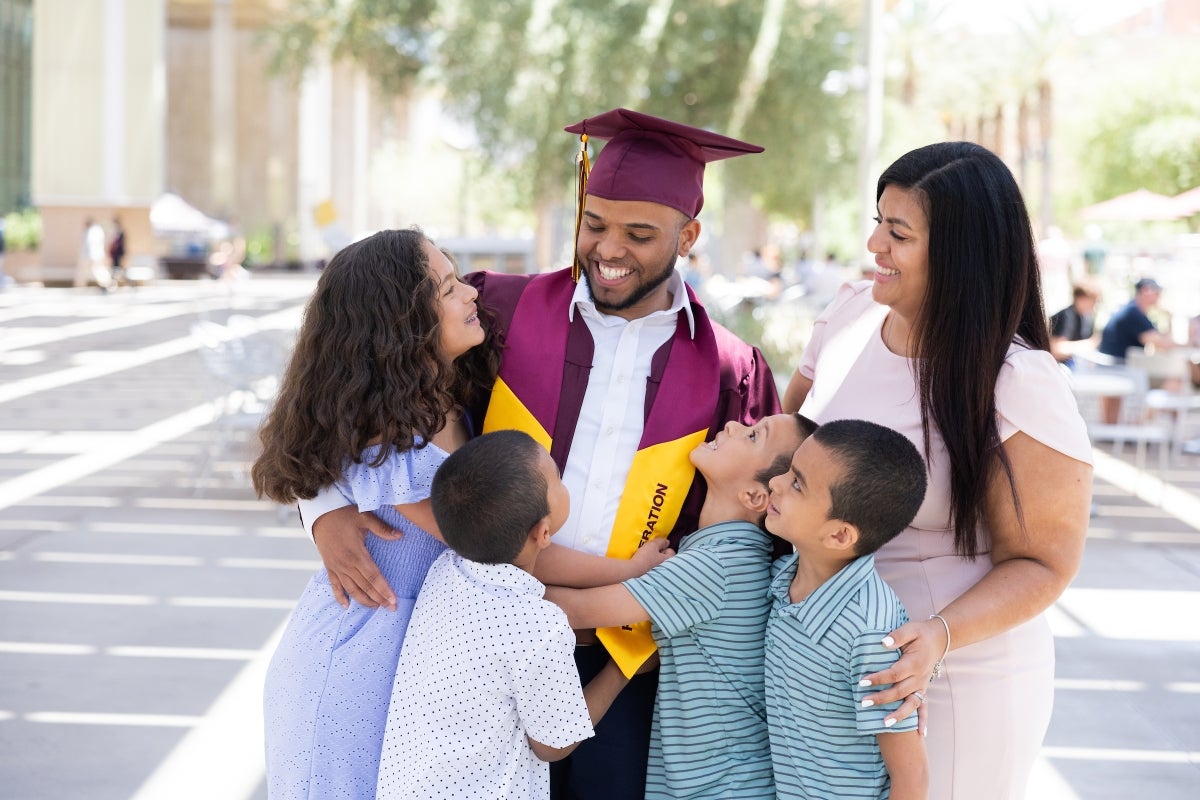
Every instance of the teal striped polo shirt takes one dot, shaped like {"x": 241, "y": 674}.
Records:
{"x": 822, "y": 740}
{"x": 708, "y": 609}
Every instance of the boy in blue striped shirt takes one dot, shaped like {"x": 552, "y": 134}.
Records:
{"x": 708, "y": 609}
{"x": 852, "y": 486}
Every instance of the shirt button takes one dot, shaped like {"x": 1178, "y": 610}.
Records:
{"x": 610, "y": 431}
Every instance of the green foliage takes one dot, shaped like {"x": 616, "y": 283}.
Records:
{"x": 260, "y": 248}
{"x": 23, "y": 230}
{"x": 390, "y": 39}
{"x": 518, "y": 71}
{"x": 1151, "y": 141}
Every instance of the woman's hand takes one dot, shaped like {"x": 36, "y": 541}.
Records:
{"x": 340, "y": 536}
{"x": 649, "y": 556}
{"x": 921, "y": 646}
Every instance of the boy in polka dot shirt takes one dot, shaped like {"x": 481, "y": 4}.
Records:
{"x": 486, "y": 691}
{"x": 708, "y": 610}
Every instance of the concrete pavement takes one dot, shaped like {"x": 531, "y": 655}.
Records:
{"x": 139, "y": 598}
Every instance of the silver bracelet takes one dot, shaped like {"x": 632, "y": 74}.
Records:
{"x": 937, "y": 668}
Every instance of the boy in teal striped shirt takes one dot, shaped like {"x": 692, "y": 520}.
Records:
{"x": 708, "y": 609}
{"x": 851, "y": 487}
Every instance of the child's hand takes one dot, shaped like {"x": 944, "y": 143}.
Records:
{"x": 649, "y": 555}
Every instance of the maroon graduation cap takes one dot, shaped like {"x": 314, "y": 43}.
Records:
{"x": 653, "y": 159}
{"x": 649, "y": 158}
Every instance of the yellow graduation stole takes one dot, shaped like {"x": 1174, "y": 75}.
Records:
{"x": 540, "y": 388}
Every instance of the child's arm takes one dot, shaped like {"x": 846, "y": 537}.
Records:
{"x": 421, "y": 515}
{"x": 601, "y": 607}
{"x": 599, "y": 695}
{"x": 559, "y": 565}
{"x": 904, "y": 756}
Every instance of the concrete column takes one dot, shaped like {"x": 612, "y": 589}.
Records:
{"x": 97, "y": 121}
{"x": 356, "y": 214}
{"x": 113, "y": 131}
{"x": 223, "y": 108}
{"x": 314, "y": 183}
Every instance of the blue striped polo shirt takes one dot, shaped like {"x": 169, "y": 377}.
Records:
{"x": 822, "y": 741}
{"x": 708, "y": 608}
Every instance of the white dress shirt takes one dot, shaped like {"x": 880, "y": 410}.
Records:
{"x": 613, "y": 412}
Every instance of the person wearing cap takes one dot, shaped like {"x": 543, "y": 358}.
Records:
{"x": 1131, "y": 327}
{"x": 617, "y": 369}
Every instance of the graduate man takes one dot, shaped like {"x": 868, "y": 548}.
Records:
{"x": 618, "y": 370}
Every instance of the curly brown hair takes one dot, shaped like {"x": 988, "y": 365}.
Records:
{"x": 366, "y": 368}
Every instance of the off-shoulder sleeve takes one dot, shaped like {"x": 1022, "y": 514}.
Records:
{"x": 401, "y": 478}
{"x": 846, "y": 294}
{"x": 1033, "y": 395}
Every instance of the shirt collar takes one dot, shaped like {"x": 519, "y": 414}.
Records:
{"x": 679, "y": 300}
{"x": 818, "y": 611}
{"x": 736, "y": 529}
{"x": 509, "y": 576}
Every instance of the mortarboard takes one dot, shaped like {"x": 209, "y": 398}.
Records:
{"x": 651, "y": 159}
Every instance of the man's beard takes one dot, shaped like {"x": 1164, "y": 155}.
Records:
{"x": 640, "y": 293}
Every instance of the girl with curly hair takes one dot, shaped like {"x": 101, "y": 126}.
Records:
{"x": 391, "y": 352}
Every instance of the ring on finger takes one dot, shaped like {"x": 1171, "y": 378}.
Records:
{"x": 920, "y": 699}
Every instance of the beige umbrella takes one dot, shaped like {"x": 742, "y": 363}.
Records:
{"x": 1140, "y": 205}
{"x": 1187, "y": 203}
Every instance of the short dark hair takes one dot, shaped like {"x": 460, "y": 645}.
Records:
{"x": 783, "y": 463}
{"x": 882, "y": 483}
{"x": 489, "y": 494}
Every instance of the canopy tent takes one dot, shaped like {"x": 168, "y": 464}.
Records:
{"x": 1187, "y": 203}
{"x": 173, "y": 217}
{"x": 1138, "y": 206}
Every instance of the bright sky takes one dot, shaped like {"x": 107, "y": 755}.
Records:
{"x": 997, "y": 15}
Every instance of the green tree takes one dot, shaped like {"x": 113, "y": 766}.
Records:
{"x": 519, "y": 70}
{"x": 1146, "y": 139}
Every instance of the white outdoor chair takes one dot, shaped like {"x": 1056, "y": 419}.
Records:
{"x": 1133, "y": 425}
{"x": 242, "y": 366}
{"x": 1175, "y": 399}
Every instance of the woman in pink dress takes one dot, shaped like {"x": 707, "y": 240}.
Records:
{"x": 949, "y": 344}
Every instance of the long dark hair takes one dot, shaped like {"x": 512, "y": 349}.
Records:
{"x": 984, "y": 293}
{"x": 366, "y": 366}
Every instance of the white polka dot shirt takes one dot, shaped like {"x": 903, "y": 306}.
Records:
{"x": 486, "y": 663}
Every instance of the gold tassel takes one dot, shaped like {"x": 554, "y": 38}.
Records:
{"x": 582, "y": 170}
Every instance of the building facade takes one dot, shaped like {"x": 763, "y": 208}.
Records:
{"x": 16, "y": 47}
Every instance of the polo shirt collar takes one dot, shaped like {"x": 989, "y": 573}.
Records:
{"x": 508, "y": 576}
{"x": 818, "y": 611}
{"x": 679, "y": 300}
{"x": 725, "y": 530}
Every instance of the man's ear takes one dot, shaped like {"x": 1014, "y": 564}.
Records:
{"x": 755, "y": 497}
{"x": 688, "y": 235}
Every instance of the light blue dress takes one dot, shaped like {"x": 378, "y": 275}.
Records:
{"x": 330, "y": 681}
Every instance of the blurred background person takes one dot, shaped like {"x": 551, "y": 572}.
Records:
{"x": 116, "y": 251}
{"x": 1131, "y": 327}
{"x": 93, "y": 258}
{"x": 1072, "y": 329}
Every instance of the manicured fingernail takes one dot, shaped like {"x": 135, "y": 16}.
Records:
{"x": 924, "y": 731}
{"x": 888, "y": 722}
{"x": 888, "y": 641}
{"x": 868, "y": 703}
{"x": 864, "y": 682}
